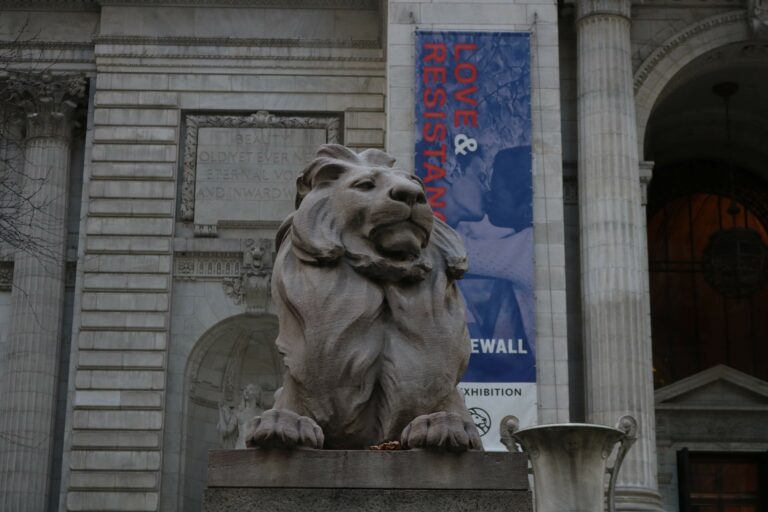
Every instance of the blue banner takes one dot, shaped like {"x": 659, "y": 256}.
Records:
{"x": 473, "y": 151}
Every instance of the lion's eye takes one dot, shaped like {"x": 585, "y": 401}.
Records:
{"x": 364, "y": 185}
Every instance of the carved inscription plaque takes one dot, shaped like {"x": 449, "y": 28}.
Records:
{"x": 249, "y": 174}
{"x": 239, "y": 169}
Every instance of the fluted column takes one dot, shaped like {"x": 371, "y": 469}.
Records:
{"x": 615, "y": 305}
{"x": 28, "y": 367}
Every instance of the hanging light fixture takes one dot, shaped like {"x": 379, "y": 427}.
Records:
{"x": 735, "y": 259}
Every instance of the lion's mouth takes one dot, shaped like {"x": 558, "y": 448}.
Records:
{"x": 402, "y": 240}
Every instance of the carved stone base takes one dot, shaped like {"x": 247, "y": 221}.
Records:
{"x": 330, "y": 480}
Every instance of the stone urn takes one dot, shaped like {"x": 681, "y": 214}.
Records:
{"x": 570, "y": 462}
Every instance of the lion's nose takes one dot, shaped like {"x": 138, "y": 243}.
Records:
{"x": 408, "y": 193}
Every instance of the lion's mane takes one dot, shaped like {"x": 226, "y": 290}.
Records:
{"x": 371, "y": 338}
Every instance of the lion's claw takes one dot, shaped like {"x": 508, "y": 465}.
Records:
{"x": 281, "y": 428}
{"x": 441, "y": 430}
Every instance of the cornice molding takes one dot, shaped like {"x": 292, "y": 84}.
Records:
{"x": 95, "y": 5}
{"x": 36, "y": 44}
{"x": 358, "y": 5}
{"x": 59, "y": 5}
{"x": 373, "y": 44}
{"x": 146, "y": 61}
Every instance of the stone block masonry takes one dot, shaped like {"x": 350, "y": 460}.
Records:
{"x": 117, "y": 409}
{"x": 115, "y": 454}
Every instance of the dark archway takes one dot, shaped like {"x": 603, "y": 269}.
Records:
{"x": 237, "y": 351}
{"x": 694, "y": 323}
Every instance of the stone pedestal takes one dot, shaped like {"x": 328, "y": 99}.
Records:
{"x": 29, "y": 363}
{"x": 618, "y": 363}
{"x": 371, "y": 481}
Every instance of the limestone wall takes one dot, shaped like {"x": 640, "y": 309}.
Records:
{"x": 154, "y": 66}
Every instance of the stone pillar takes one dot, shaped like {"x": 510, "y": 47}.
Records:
{"x": 615, "y": 306}
{"x": 28, "y": 365}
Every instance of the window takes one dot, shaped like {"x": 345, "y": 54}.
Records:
{"x": 694, "y": 325}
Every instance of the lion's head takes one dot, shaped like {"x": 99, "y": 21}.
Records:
{"x": 360, "y": 208}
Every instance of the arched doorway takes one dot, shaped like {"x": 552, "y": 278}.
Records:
{"x": 237, "y": 353}
{"x": 697, "y": 322}
{"x": 708, "y": 334}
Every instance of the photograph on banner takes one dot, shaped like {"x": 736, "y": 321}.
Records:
{"x": 473, "y": 152}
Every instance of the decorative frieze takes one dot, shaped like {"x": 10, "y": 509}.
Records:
{"x": 207, "y": 266}
{"x": 248, "y": 42}
{"x": 245, "y": 276}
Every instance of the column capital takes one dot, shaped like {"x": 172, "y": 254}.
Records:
{"x": 587, "y": 8}
{"x": 46, "y": 100}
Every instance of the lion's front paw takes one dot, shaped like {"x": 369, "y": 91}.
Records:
{"x": 444, "y": 430}
{"x": 281, "y": 428}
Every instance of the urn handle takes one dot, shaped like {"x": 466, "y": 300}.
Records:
{"x": 628, "y": 425}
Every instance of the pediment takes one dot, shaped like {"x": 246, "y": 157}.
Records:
{"x": 719, "y": 387}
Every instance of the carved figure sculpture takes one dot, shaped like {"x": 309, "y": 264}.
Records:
{"x": 253, "y": 285}
{"x": 233, "y": 422}
{"x": 372, "y": 325}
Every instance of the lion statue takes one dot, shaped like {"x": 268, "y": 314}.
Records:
{"x": 372, "y": 323}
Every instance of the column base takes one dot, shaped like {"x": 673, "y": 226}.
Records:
{"x": 637, "y": 499}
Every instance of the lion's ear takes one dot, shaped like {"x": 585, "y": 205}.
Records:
{"x": 314, "y": 235}
{"x": 451, "y": 247}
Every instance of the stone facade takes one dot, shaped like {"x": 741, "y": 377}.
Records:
{"x": 120, "y": 387}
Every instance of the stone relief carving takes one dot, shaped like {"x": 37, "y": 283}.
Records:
{"x": 253, "y": 285}
{"x": 260, "y": 119}
{"x": 207, "y": 266}
{"x": 681, "y": 38}
{"x": 372, "y": 325}
{"x": 233, "y": 419}
{"x": 47, "y": 100}
{"x": 757, "y": 14}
